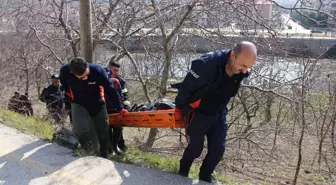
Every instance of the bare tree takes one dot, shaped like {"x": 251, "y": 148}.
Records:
{"x": 282, "y": 119}
{"x": 168, "y": 45}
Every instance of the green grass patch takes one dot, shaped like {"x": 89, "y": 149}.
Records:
{"x": 169, "y": 164}
{"x": 30, "y": 125}
{"x": 145, "y": 159}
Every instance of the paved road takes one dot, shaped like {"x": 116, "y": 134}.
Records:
{"x": 25, "y": 159}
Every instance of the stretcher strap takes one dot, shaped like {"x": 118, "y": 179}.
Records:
{"x": 188, "y": 120}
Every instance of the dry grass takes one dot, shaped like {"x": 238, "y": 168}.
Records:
{"x": 252, "y": 159}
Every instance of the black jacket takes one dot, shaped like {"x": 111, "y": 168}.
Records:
{"x": 54, "y": 97}
{"x": 208, "y": 83}
{"x": 109, "y": 105}
{"x": 90, "y": 93}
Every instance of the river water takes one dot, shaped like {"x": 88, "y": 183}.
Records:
{"x": 281, "y": 72}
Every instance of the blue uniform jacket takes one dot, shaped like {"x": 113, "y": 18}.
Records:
{"x": 123, "y": 89}
{"x": 207, "y": 87}
{"x": 124, "y": 92}
{"x": 90, "y": 93}
{"x": 109, "y": 105}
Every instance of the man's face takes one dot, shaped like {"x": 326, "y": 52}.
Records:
{"x": 85, "y": 75}
{"x": 242, "y": 62}
{"x": 115, "y": 70}
{"x": 55, "y": 82}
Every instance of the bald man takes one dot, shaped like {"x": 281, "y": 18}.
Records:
{"x": 202, "y": 102}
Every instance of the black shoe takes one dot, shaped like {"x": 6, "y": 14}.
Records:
{"x": 184, "y": 169}
{"x": 110, "y": 149}
{"x": 104, "y": 155}
{"x": 207, "y": 178}
{"x": 117, "y": 150}
{"x": 123, "y": 148}
{"x": 183, "y": 174}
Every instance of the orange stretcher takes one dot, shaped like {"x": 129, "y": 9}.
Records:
{"x": 148, "y": 119}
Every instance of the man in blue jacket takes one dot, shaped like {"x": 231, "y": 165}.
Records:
{"x": 114, "y": 131}
{"x": 202, "y": 99}
{"x": 115, "y": 68}
{"x": 86, "y": 84}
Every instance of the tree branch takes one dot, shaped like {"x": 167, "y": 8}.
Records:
{"x": 266, "y": 91}
{"x": 47, "y": 46}
{"x": 159, "y": 19}
{"x": 107, "y": 17}
{"x": 182, "y": 20}
{"x": 67, "y": 30}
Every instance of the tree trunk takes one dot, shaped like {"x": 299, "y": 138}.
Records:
{"x": 301, "y": 108}
{"x": 303, "y": 121}
{"x": 320, "y": 149}
{"x": 151, "y": 137}
{"x": 269, "y": 100}
{"x": 268, "y": 112}
{"x": 86, "y": 30}
{"x": 277, "y": 127}
{"x": 168, "y": 47}
{"x": 162, "y": 92}
{"x": 333, "y": 130}
{"x": 86, "y": 49}
{"x": 37, "y": 81}
{"x": 27, "y": 75}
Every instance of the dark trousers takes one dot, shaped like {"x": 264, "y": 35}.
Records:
{"x": 81, "y": 120}
{"x": 121, "y": 143}
{"x": 198, "y": 126}
{"x": 56, "y": 114}
{"x": 68, "y": 111}
{"x": 116, "y": 136}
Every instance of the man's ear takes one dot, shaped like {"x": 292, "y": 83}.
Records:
{"x": 232, "y": 54}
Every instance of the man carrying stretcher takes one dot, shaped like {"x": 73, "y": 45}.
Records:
{"x": 202, "y": 99}
{"x": 85, "y": 84}
{"x": 114, "y": 131}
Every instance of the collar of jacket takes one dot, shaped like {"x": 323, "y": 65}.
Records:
{"x": 225, "y": 58}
